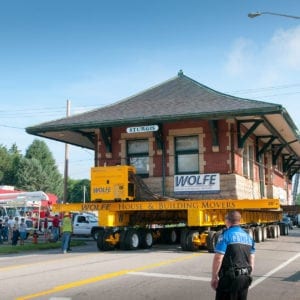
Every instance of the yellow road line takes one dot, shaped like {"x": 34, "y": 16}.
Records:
{"x": 78, "y": 283}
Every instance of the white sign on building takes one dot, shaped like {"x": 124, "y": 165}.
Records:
{"x": 146, "y": 128}
{"x": 197, "y": 183}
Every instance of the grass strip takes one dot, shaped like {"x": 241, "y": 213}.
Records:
{"x": 9, "y": 249}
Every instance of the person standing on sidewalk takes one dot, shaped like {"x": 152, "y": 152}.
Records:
{"x": 66, "y": 230}
{"x": 10, "y": 223}
{"x": 1, "y": 231}
{"x": 233, "y": 262}
{"x": 5, "y": 230}
{"x": 55, "y": 228}
{"x": 23, "y": 231}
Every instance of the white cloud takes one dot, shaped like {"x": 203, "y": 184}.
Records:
{"x": 267, "y": 71}
{"x": 272, "y": 63}
{"x": 240, "y": 58}
{"x": 285, "y": 47}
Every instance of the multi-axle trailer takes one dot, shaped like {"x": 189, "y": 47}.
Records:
{"x": 127, "y": 223}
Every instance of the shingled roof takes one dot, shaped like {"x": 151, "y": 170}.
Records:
{"x": 179, "y": 98}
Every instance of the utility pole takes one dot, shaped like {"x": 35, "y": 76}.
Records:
{"x": 66, "y": 160}
{"x": 84, "y": 191}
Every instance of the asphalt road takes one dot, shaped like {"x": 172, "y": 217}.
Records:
{"x": 163, "y": 272}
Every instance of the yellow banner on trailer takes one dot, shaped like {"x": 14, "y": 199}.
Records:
{"x": 169, "y": 205}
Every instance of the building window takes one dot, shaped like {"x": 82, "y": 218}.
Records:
{"x": 138, "y": 156}
{"x": 248, "y": 159}
{"x": 187, "y": 155}
{"x": 279, "y": 164}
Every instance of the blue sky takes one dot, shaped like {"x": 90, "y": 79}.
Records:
{"x": 94, "y": 53}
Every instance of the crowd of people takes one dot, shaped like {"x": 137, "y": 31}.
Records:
{"x": 14, "y": 230}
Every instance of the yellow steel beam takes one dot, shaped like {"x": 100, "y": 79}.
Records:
{"x": 201, "y": 205}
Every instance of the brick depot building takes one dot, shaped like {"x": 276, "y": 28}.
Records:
{"x": 189, "y": 141}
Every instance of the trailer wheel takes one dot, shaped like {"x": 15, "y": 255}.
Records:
{"x": 169, "y": 235}
{"x": 250, "y": 232}
{"x": 102, "y": 244}
{"x": 286, "y": 226}
{"x": 173, "y": 236}
{"x": 95, "y": 234}
{"x": 183, "y": 239}
{"x": 211, "y": 241}
{"x": 277, "y": 231}
{"x": 258, "y": 234}
{"x": 274, "y": 231}
{"x": 132, "y": 239}
{"x": 146, "y": 238}
{"x": 264, "y": 233}
{"x": 271, "y": 231}
{"x": 100, "y": 241}
{"x": 190, "y": 237}
{"x": 284, "y": 229}
{"x": 122, "y": 244}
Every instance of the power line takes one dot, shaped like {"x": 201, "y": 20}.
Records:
{"x": 268, "y": 88}
{"x": 7, "y": 126}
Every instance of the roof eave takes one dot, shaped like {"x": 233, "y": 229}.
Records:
{"x": 164, "y": 118}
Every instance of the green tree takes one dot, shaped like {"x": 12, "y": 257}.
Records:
{"x": 9, "y": 162}
{"x": 78, "y": 190}
{"x": 4, "y": 158}
{"x": 31, "y": 176}
{"x": 47, "y": 171}
{"x": 40, "y": 151}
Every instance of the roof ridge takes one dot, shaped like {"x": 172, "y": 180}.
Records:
{"x": 141, "y": 92}
{"x": 209, "y": 89}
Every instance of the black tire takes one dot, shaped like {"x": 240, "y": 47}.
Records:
{"x": 282, "y": 229}
{"x": 132, "y": 239}
{"x": 191, "y": 246}
{"x": 183, "y": 239}
{"x": 170, "y": 235}
{"x": 122, "y": 244}
{"x": 264, "y": 233}
{"x": 100, "y": 241}
{"x": 271, "y": 231}
{"x": 258, "y": 234}
{"x": 277, "y": 228}
{"x": 95, "y": 233}
{"x": 286, "y": 229}
{"x": 146, "y": 238}
{"x": 250, "y": 232}
{"x": 211, "y": 241}
{"x": 102, "y": 244}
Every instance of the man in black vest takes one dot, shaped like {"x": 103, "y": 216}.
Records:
{"x": 233, "y": 261}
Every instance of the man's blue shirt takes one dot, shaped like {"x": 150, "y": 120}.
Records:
{"x": 234, "y": 235}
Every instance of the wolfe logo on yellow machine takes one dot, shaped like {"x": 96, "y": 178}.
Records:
{"x": 112, "y": 183}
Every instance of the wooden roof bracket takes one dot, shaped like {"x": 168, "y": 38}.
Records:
{"x": 276, "y": 133}
{"x": 90, "y": 136}
{"x": 106, "y": 134}
{"x": 242, "y": 139}
{"x": 276, "y": 153}
{"x": 265, "y": 147}
{"x": 288, "y": 163}
{"x": 294, "y": 170}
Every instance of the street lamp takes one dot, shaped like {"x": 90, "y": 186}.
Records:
{"x": 256, "y": 14}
